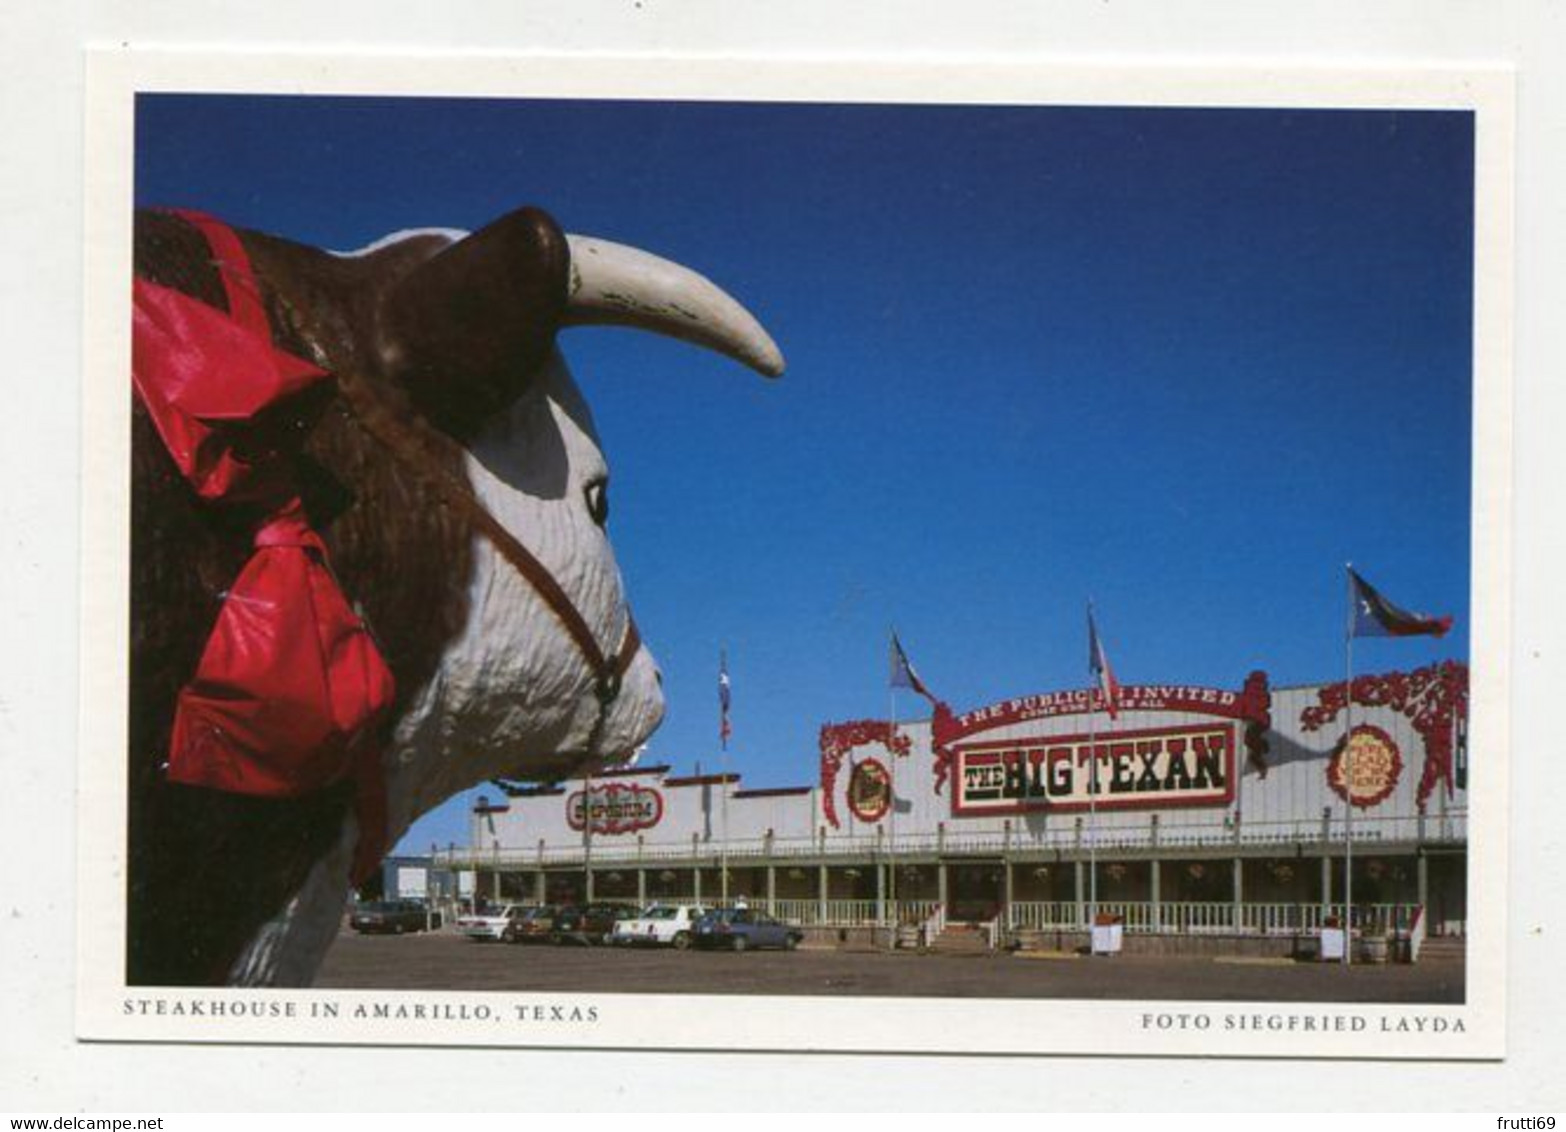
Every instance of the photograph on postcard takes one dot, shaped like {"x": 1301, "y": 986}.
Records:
{"x": 1048, "y": 529}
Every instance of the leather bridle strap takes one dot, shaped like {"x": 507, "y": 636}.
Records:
{"x": 412, "y": 443}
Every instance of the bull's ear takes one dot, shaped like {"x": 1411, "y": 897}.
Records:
{"x": 464, "y": 331}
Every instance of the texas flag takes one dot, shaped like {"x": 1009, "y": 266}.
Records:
{"x": 1098, "y": 664}
{"x": 724, "y": 728}
{"x": 1375, "y": 616}
{"x": 903, "y": 674}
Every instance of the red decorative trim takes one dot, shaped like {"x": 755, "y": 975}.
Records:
{"x": 702, "y": 780}
{"x": 1432, "y": 698}
{"x": 944, "y": 731}
{"x": 881, "y": 800}
{"x": 1256, "y": 709}
{"x": 1394, "y": 769}
{"x": 837, "y": 739}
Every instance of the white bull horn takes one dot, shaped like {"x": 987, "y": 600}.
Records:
{"x": 615, "y": 285}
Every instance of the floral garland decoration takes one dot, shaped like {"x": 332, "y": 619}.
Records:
{"x": 1432, "y": 698}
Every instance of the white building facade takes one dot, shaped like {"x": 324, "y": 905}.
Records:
{"x": 1214, "y": 810}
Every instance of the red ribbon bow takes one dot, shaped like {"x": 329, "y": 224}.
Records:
{"x": 290, "y": 684}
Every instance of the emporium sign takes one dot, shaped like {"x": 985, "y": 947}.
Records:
{"x": 617, "y": 807}
{"x": 1168, "y": 766}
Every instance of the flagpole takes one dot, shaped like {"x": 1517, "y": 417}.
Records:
{"x": 723, "y": 785}
{"x": 587, "y": 836}
{"x": 1092, "y": 795}
{"x": 1347, "y": 770}
{"x": 891, "y": 785}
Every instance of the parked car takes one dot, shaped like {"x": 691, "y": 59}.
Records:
{"x": 740, "y": 929}
{"x": 489, "y": 925}
{"x": 592, "y": 924}
{"x": 667, "y": 925}
{"x": 531, "y": 925}
{"x": 390, "y": 916}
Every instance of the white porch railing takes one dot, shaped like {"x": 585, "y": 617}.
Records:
{"x": 1199, "y": 917}
{"x": 836, "y": 913}
{"x": 1138, "y": 916}
{"x": 918, "y": 911}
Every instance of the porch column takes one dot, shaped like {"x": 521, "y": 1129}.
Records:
{"x": 1010, "y": 893}
{"x": 641, "y": 887}
{"x": 772, "y": 890}
{"x": 821, "y": 893}
{"x": 1326, "y": 887}
{"x": 587, "y": 885}
{"x": 1422, "y": 883}
{"x": 880, "y": 893}
{"x": 1239, "y": 893}
{"x": 540, "y": 889}
{"x": 696, "y": 880}
{"x": 940, "y": 883}
{"x": 1155, "y": 893}
{"x": 1078, "y": 894}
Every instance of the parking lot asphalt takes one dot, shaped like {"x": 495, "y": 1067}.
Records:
{"x": 445, "y": 961}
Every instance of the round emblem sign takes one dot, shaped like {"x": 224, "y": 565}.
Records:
{"x": 1372, "y": 766}
{"x": 869, "y": 791}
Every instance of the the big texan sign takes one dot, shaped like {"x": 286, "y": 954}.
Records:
{"x": 1177, "y": 766}
{"x": 1143, "y": 765}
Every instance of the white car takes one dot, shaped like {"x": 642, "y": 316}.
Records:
{"x": 663, "y": 925}
{"x": 488, "y": 926}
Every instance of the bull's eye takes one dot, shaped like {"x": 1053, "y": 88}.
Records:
{"x": 596, "y": 494}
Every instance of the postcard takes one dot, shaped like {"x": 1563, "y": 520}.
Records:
{"x": 588, "y": 553}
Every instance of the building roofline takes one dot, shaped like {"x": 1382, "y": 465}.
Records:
{"x": 772, "y": 791}
{"x": 702, "y": 780}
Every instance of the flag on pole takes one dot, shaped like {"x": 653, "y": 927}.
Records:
{"x": 724, "y": 728}
{"x": 1098, "y": 664}
{"x": 903, "y": 674}
{"x": 1375, "y": 616}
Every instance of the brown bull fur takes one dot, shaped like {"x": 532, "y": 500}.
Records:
{"x": 207, "y": 869}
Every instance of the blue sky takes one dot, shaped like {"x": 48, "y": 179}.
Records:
{"x": 1185, "y": 362}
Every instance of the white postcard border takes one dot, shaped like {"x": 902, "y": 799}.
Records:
{"x": 107, "y": 1009}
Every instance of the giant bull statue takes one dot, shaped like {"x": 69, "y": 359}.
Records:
{"x": 440, "y": 523}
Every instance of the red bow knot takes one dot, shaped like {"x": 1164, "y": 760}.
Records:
{"x": 291, "y": 685}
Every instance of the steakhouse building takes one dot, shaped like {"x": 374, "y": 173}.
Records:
{"x": 1217, "y": 812}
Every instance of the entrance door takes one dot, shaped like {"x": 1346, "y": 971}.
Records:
{"x": 976, "y": 890}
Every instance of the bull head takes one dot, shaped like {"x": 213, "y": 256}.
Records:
{"x": 469, "y": 335}
{"x": 459, "y": 445}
